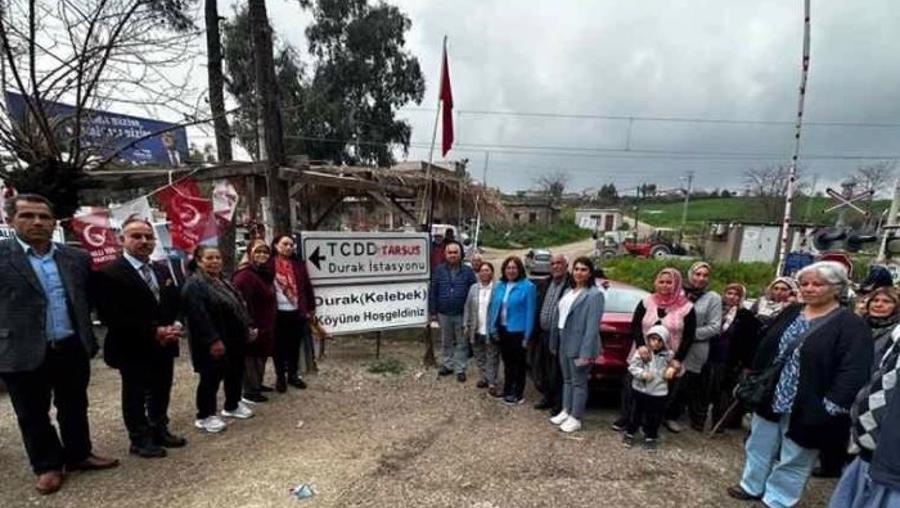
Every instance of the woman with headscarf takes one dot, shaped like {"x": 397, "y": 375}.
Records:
{"x": 818, "y": 355}
{"x": 731, "y": 353}
{"x": 689, "y": 390}
{"x": 778, "y": 296}
{"x": 872, "y": 480}
{"x": 882, "y": 315}
{"x": 296, "y": 306}
{"x": 667, "y": 305}
{"x": 219, "y": 328}
{"x": 255, "y": 282}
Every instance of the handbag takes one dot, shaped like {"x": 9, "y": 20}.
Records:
{"x": 757, "y": 388}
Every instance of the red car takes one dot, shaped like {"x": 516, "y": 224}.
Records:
{"x": 615, "y": 332}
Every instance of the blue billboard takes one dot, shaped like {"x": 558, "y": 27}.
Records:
{"x": 104, "y": 133}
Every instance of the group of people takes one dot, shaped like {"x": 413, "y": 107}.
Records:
{"x": 48, "y": 292}
{"x": 828, "y": 373}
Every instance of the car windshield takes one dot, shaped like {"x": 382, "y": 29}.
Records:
{"x": 542, "y": 257}
{"x": 623, "y": 300}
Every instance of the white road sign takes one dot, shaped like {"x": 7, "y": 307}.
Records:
{"x": 334, "y": 257}
{"x": 371, "y": 307}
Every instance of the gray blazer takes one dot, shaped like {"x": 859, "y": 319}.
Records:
{"x": 581, "y": 336}
{"x": 23, "y": 305}
{"x": 470, "y": 310}
{"x": 708, "y": 309}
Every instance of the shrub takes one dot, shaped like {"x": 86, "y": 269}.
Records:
{"x": 641, "y": 272}
{"x": 386, "y": 366}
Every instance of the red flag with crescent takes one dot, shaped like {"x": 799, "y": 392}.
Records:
{"x": 191, "y": 219}
{"x": 96, "y": 235}
{"x": 447, "y": 109}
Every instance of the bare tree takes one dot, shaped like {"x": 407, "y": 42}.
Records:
{"x": 92, "y": 55}
{"x": 769, "y": 185}
{"x": 553, "y": 185}
{"x": 875, "y": 177}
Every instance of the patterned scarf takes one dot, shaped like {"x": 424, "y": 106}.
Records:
{"x": 286, "y": 280}
{"x": 872, "y": 402}
{"x": 223, "y": 291}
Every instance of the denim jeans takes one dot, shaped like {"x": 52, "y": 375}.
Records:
{"x": 781, "y": 484}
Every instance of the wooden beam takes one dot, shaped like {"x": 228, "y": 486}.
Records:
{"x": 332, "y": 207}
{"x": 400, "y": 207}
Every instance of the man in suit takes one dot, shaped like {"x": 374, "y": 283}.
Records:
{"x": 139, "y": 303}
{"x": 46, "y": 342}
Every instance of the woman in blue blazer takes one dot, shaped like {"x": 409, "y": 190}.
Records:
{"x": 512, "y": 314}
{"x": 575, "y": 338}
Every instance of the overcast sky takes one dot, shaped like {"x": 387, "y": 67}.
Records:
{"x": 703, "y": 59}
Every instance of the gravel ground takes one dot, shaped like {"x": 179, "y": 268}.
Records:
{"x": 367, "y": 439}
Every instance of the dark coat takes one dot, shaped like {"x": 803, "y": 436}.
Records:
{"x": 737, "y": 346}
{"x": 835, "y": 362}
{"x": 259, "y": 294}
{"x": 132, "y": 314}
{"x": 210, "y": 320}
{"x": 886, "y": 459}
{"x": 23, "y": 306}
{"x": 448, "y": 293}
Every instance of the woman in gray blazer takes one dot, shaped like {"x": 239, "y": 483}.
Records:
{"x": 475, "y": 321}
{"x": 575, "y": 338}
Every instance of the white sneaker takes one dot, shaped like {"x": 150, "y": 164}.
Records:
{"x": 241, "y": 412}
{"x": 570, "y": 425}
{"x": 560, "y": 418}
{"x": 211, "y": 424}
{"x": 247, "y": 402}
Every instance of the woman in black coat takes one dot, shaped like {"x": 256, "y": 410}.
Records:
{"x": 827, "y": 354}
{"x": 219, "y": 331}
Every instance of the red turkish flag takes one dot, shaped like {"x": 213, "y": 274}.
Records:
{"x": 191, "y": 219}
{"x": 97, "y": 237}
{"x": 446, "y": 98}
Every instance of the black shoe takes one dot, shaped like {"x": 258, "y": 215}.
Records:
{"x": 481, "y": 384}
{"x": 461, "y": 377}
{"x": 651, "y": 444}
{"x": 256, "y": 397}
{"x": 628, "y": 440}
{"x": 619, "y": 425}
{"x": 166, "y": 439}
{"x": 281, "y": 386}
{"x": 444, "y": 371}
{"x": 543, "y": 404}
{"x": 738, "y": 492}
{"x": 512, "y": 400}
{"x": 264, "y": 388}
{"x": 147, "y": 450}
{"x": 820, "y": 472}
{"x": 297, "y": 382}
{"x": 496, "y": 393}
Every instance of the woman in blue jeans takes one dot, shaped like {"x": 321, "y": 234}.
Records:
{"x": 827, "y": 353}
{"x": 575, "y": 339}
{"x": 512, "y": 312}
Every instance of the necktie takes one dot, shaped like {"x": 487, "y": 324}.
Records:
{"x": 148, "y": 278}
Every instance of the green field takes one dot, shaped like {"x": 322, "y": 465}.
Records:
{"x": 701, "y": 211}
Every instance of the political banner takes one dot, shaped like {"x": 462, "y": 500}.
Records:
{"x": 96, "y": 235}
{"x": 142, "y": 141}
{"x": 225, "y": 200}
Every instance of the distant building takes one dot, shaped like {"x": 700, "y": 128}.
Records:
{"x": 749, "y": 242}
{"x": 598, "y": 219}
{"x": 530, "y": 209}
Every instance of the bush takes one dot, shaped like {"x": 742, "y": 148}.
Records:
{"x": 510, "y": 236}
{"x": 386, "y": 366}
{"x": 641, "y": 272}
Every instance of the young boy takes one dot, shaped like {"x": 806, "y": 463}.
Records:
{"x": 650, "y": 386}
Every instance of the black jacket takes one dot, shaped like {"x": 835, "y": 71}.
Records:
{"x": 736, "y": 346}
{"x": 132, "y": 314}
{"x": 885, "y": 468}
{"x": 835, "y": 361}
{"x": 210, "y": 320}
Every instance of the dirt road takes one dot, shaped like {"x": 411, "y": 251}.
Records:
{"x": 571, "y": 250}
{"x": 381, "y": 441}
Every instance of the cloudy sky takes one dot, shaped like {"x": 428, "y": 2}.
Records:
{"x": 665, "y": 64}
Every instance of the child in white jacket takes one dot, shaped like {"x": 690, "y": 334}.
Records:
{"x": 650, "y": 386}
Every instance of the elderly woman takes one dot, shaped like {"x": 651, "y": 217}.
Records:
{"x": 668, "y": 306}
{"x": 255, "y": 282}
{"x": 820, "y": 354}
{"x": 689, "y": 390}
{"x": 219, "y": 328}
{"x": 730, "y": 353}
{"x": 778, "y": 296}
{"x": 873, "y": 479}
{"x": 575, "y": 339}
{"x": 511, "y": 323}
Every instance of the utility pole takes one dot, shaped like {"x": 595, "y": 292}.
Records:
{"x": 268, "y": 105}
{"x": 888, "y": 231}
{"x": 637, "y": 211}
{"x": 487, "y": 157}
{"x": 687, "y": 200}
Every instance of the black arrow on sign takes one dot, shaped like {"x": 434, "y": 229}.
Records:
{"x": 315, "y": 257}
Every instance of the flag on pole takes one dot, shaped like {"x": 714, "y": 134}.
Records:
{"x": 446, "y": 98}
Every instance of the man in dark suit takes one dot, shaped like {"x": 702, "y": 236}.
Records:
{"x": 139, "y": 303}
{"x": 46, "y": 342}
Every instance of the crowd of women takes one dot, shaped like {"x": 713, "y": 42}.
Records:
{"x": 236, "y": 325}
{"x": 810, "y": 364}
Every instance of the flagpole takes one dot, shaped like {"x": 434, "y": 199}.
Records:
{"x": 437, "y": 116}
